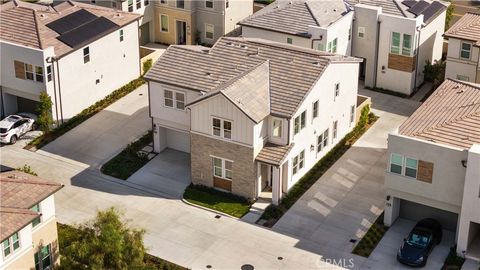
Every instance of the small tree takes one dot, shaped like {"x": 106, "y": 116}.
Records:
{"x": 103, "y": 243}
{"x": 449, "y": 15}
{"x": 44, "y": 110}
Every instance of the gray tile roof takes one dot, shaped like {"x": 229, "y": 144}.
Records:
{"x": 273, "y": 154}
{"x": 293, "y": 70}
{"x": 294, "y": 17}
{"x": 390, "y": 7}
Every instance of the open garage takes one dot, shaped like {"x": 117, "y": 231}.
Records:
{"x": 173, "y": 139}
{"x": 415, "y": 212}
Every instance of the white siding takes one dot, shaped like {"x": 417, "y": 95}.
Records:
{"x": 251, "y": 32}
{"x": 339, "y": 29}
{"x": 457, "y": 66}
{"x": 260, "y": 136}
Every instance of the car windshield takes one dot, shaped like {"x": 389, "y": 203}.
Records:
{"x": 3, "y": 130}
{"x": 418, "y": 239}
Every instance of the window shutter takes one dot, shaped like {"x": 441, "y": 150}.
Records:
{"x": 425, "y": 171}
{"x": 19, "y": 69}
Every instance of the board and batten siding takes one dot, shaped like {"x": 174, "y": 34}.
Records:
{"x": 218, "y": 106}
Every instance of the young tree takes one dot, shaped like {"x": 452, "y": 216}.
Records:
{"x": 44, "y": 110}
{"x": 103, "y": 243}
{"x": 449, "y": 15}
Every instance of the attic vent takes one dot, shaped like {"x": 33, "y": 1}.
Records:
{"x": 243, "y": 46}
{"x": 208, "y": 74}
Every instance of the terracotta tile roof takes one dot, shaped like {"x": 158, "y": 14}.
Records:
{"x": 468, "y": 27}
{"x": 450, "y": 116}
{"x": 25, "y": 23}
{"x": 273, "y": 154}
{"x": 294, "y": 17}
{"x": 293, "y": 70}
{"x": 13, "y": 220}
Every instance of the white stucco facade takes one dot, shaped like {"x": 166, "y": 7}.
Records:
{"x": 462, "y": 68}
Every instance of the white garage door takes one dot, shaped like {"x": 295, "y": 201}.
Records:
{"x": 178, "y": 140}
{"x": 416, "y": 212}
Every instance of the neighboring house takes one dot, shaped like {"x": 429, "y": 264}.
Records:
{"x": 434, "y": 161}
{"x": 76, "y": 52}
{"x": 203, "y": 21}
{"x": 394, "y": 38}
{"x": 323, "y": 25}
{"x": 463, "y": 49}
{"x": 255, "y": 115}
{"x": 29, "y": 226}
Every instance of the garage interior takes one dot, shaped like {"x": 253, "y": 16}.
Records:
{"x": 415, "y": 211}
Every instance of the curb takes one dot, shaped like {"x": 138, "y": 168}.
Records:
{"x": 209, "y": 209}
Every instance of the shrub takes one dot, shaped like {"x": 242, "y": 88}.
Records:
{"x": 453, "y": 261}
{"x": 27, "y": 169}
{"x": 435, "y": 72}
{"x": 449, "y": 15}
{"x": 147, "y": 65}
{"x": 44, "y": 110}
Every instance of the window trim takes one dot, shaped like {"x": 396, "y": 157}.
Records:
{"x": 462, "y": 50}
{"x": 222, "y": 128}
{"x": 213, "y": 31}
{"x": 11, "y": 248}
{"x": 401, "y": 48}
{"x": 40, "y": 260}
{"x": 405, "y": 167}
{"x": 390, "y": 164}
{"x": 121, "y": 37}
{"x": 298, "y": 162}
{"x": 361, "y": 30}
{"x": 301, "y": 124}
{"x": 180, "y": 1}
{"x": 161, "y": 23}
{"x": 130, "y": 5}
{"x": 49, "y": 73}
{"x": 323, "y": 143}
{"x": 315, "y": 109}
{"x": 223, "y": 168}
{"x": 86, "y": 56}
{"x": 174, "y": 100}
{"x": 336, "y": 92}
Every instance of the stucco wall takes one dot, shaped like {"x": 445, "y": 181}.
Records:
{"x": 251, "y": 32}
{"x": 456, "y": 66}
{"x": 170, "y": 37}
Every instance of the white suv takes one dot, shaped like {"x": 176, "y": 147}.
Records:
{"x": 14, "y": 126}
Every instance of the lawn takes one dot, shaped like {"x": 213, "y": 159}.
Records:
{"x": 371, "y": 239}
{"x": 129, "y": 160}
{"x": 217, "y": 200}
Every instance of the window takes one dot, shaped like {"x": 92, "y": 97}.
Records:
{"x": 222, "y": 128}
{"x": 121, "y": 35}
{"x": 350, "y": 33}
{"x": 321, "y": 47}
{"x": 180, "y": 100}
{"x": 37, "y": 220}
{"x": 86, "y": 55}
{"x": 334, "y": 46}
{"x": 335, "y": 128}
{"x": 43, "y": 258}
{"x": 130, "y": 5}
{"x": 209, "y": 3}
{"x": 322, "y": 141}
{"x": 315, "y": 110}
{"x": 168, "y": 98}
{"x": 411, "y": 167}
{"x": 407, "y": 45}
{"x": 139, "y": 4}
{"x": 465, "y": 50}
{"x": 164, "y": 23}
{"x": 299, "y": 122}
{"x": 11, "y": 244}
{"x": 227, "y": 3}
{"x": 39, "y": 74}
{"x": 396, "y": 163}
{"x": 146, "y": 2}
{"x": 180, "y": 4}
{"x": 289, "y": 40}
{"x": 114, "y": 4}
{"x": 361, "y": 32}
{"x": 337, "y": 90}
{"x": 29, "y": 72}
{"x": 93, "y": 2}
{"x": 352, "y": 114}
{"x": 49, "y": 73}
{"x": 222, "y": 168}
{"x": 277, "y": 128}
{"x": 329, "y": 46}
{"x": 172, "y": 98}
{"x": 463, "y": 78}
{"x": 209, "y": 28}
{"x": 298, "y": 162}
{"x": 163, "y": 1}
{"x": 395, "y": 43}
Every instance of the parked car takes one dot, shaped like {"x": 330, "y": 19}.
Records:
{"x": 415, "y": 249}
{"x": 16, "y": 125}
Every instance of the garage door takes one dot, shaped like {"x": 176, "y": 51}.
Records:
{"x": 178, "y": 140}
{"x": 27, "y": 105}
{"x": 415, "y": 211}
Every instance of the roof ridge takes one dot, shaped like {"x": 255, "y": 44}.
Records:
{"x": 28, "y": 181}
{"x": 311, "y": 13}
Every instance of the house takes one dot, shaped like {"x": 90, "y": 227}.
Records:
{"x": 433, "y": 170}
{"x": 76, "y": 52}
{"x": 255, "y": 115}
{"x": 29, "y": 226}
{"x": 463, "y": 49}
{"x": 323, "y": 25}
{"x": 198, "y": 22}
{"x": 394, "y": 38}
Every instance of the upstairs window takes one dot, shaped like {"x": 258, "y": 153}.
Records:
{"x": 395, "y": 43}
{"x": 399, "y": 45}
{"x": 227, "y": 3}
{"x": 315, "y": 110}
{"x": 322, "y": 141}
{"x": 407, "y": 45}
{"x": 209, "y": 31}
{"x": 11, "y": 244}
{"x": 86, "y": 55}
{"x": 336, "y": 90}
{"x": 277, "y": 128}
{"x": 396, "y": 164}
{"x": 466, "y": 51}
{"x": 289, "y": 40}
{"x": 352, "y": 114}
{"x": 164, "y": 23}
{"x": 335, "y": 129}
{"x": 121, "y": 35}
{"x": 334, "y": 46}
{"x": 39, "y": 74}
{"x": 209, "y": 3}
{"x": 146, "y": 3}
{"x": 37, "y": 220}
{"x": 180, "y": 4}
{"x": 299, "y": 122}
{"x": 222, "y": 128}
{"x": 174, "y": 99}
{"x": 411, "y": 166}
{"x": 49, "y": 73}
{"x": 298, "y": 162}
{"x": 29, "y": 72}
{"x": 130, "y": 5}
{"x": 361, "y": 32}
{"x": 139, "y": 4}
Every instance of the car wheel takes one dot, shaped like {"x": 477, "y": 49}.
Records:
{"x": 13, "y": 139}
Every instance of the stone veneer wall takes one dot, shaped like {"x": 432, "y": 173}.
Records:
{"x": 244, "y": 169}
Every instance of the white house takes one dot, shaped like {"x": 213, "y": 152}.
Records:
{"x": 463, "y": 49}
{"x": 76, "y": 52}
{"x": 394, "y": 38}
{"x": 29, "y": 227}
{"x": 254, "y": 115}
{"x": 434, "y": 164}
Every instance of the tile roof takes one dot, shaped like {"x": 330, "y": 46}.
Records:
{"x": 451, "y": 116}
{"x": 294, "y": 17}
{"x": 18, "y": 193}
{"x": 468, "y": 27}
{"x": 293, "y": 70}
{"x": 273, "y": 154}
{"x": 25, "y": 23}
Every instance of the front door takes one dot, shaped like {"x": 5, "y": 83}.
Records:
{"x": 181, "y": 30}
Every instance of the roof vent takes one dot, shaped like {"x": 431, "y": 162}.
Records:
{"x": 243, "y": 46}
{"x": 316, "y": 63}
{"x": 229, "y": 44}
{"x": 335, "y": 10}
{"x": 460, "y": 91}
{"x": 208, "y": 74}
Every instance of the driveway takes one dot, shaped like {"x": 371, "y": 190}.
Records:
{"x": 168, "y": 172}
{"x": 384, "y": 255}
{"x": 340, "y": 207}
{"x": 104, "y": 135}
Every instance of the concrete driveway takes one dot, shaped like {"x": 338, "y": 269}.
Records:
{"x": 168, "y": 172}
{"x": 101, "y": 137}
{"x": 384, "y": 255}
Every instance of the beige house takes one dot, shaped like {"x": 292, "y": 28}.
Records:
{"x": 433, "y": 170}
{"x": 463, "y": 49}
{"x": 255, "y": 115}
{"x": 29, "y": 227}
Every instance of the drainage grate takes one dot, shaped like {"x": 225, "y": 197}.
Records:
{"x": 218, "y": 216}
{"x": 247, "y": 267}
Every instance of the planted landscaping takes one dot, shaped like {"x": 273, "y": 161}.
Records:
{"x": 227, "y": 203}
{"x": 371, "y": 239}
{"x": 453, "y": 261}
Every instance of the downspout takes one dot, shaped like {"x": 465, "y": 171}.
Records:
{"x": 316, "y": 39}
{"x": 59, "y": 92}
{"x": 51, "y": 61}
{"x": 377, "y": 45}
{"x": 416, "y": 60}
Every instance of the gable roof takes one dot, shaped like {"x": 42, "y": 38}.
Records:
{"x": 14, "y": 219}
{"x": 293, "y": 71}
{"x": 468, "y": 28}
{"x": 28, "y": 24}
{"x": 451, "y": 116}
{"x": 294, "y": 17}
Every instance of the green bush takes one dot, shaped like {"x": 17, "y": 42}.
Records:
{"x": 435, "y": 72}
{"x": 371, "y": 238}
{"x": 147, "y": 65}
{"x": 44, "y": 110}
{"x": 453, "y": 261}
{"x": 27, "y": 169}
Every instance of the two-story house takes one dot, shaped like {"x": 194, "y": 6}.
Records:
{"x": 463, "y": 49}
{"x": 433, "y": 171}
{"x": 198, "y": 22}
{"x": 253, "y": 114}
{"x": 76, "y": 52}
{"x": 28, "y": 236}
{"x": 394, "y": 38}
